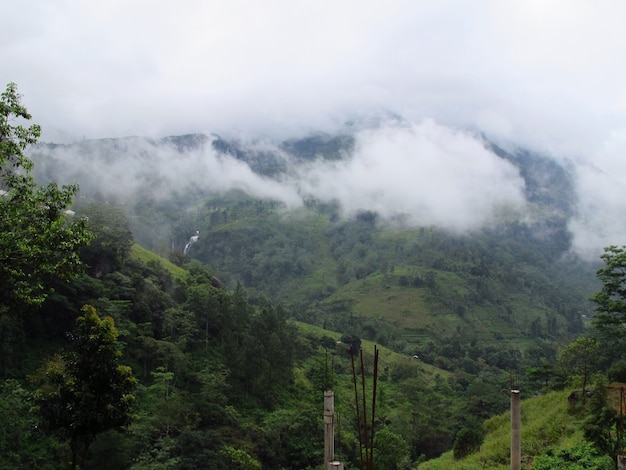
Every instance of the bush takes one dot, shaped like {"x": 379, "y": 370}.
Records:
{"x": 468, "y": 440}
{"x": 582, "y": 456}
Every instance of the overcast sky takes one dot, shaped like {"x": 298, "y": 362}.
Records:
{"x": 548, "y": 69}
{"x": 546, "y": 73}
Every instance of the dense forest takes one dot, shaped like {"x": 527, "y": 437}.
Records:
{"x": 127, "y": 344}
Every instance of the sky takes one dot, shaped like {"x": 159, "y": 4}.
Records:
{"x": 545, "y": 74}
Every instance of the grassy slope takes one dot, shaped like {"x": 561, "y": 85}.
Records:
{"x": 386, "y": 356}
{"x": 140, "y": 253}
{"x": 408, "y": 311}
{"x": 545, "y": 423}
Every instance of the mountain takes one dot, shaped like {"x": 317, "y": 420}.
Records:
{"x": 451, "y": 252}
{"x": 511, "y": 277}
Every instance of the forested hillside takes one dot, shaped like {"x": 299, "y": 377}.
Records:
{"x": 163, "y": 323}
{"x": 218, "y": 379}
{"x": 512, "y": 282}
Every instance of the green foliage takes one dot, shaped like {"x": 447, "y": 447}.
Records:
{"x": 391, "y": 451}
{"x": 87, "y": 391}
{"x": 21, "y": 443}
{"x": 237, "y": 459}
{"x": 617, "y": 371}
{"x": 268, "y": 354}
{"x": 295, "y": 437}
{"x": 468, "y": 440}
{"x": 579, "y": 457}
{"x": 38, "y": 241}
{"x": 112, "y": 241}
{"x": 140, "y": 253}
{"x": 542, "y": 376}
{"x": 604, "y": 426}
{"x": 611, "y": 299}
{"x": 546, "y": 424}
{"x": 580, "y": 357}
{"x": 610, "y": 318}
{"x": 502, "y": 288}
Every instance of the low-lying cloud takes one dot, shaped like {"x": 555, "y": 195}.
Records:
{"x": 417, "y": 174}
{"x": 601, "y": 207}
{"x": 426, "y": 173}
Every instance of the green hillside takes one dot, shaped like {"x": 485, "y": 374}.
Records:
{"x": 146, "y": 256}
{"x": 547, "y": 423}
{"x": 267, "y": 353}
{"x": 403, "y": 288}
{"x": 176, "y": 326}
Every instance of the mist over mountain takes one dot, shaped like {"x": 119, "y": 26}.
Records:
{"x": 411, "y": 174}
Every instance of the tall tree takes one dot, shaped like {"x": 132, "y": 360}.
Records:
{"x": 391, "y": 451}
{"x": 610, "y": 318}
{"x": 604, "y": 426}
{"x": 38, "y": 240}
{"x": 611, "y": 300}
{"x": 580, "y": 357}
{"x": 112, "y": 239}
{"x": 87, "y": 391}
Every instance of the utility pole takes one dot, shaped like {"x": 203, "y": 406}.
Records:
{"x": 329, "y": 423}
{"x": 329, "y": 432}
{"x": 516, "y": 425}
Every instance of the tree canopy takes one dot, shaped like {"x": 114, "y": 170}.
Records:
{"x": 39, "y": 240}
{"x": 611, "y": 299}
{"x": 87, "y": 391}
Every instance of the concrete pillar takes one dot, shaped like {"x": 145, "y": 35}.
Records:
{"x": 516, "y": 431}
{"x": 329, "y": 431}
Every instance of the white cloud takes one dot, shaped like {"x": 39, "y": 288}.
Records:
{"x": 545, "y": 74}
{"x": 601, "y": 206}
{"x": 428, "y": 173}
{"x": 425, "y": 173}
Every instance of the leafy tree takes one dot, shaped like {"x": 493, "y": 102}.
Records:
{"x": 87, "y": 391}
{"x": 21, "y": 444}
{"x": 200, "y": 449}
{"x": 604, "y": 426}
{"x": 580, "y": 357}
{"x": 469, "y": 439}
{"x": 38, "y": 240}
{"x": 617, "y": 371}
{"x": 112, "y": 242}
{"x": 540, "y": 376}
{"x": 269, "y": 354}
{"x": 610, "y": 318}
{"x": 391, "y": 451}
{"x": 611, "y": 300}
{"x": 295, "y": 435}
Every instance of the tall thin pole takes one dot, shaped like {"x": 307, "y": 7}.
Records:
{"x": 620, "y": 422}
{"x": 326, "y": 386}
{"x": 374, "y": 388}
{"x": 516, "y": 447}
{"x": 329, "y": 428}
{"x": 365, "y": 440}
{"x": 356, "y": 400}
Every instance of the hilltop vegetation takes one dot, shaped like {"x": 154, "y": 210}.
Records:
{"x": 401, "y": 287}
